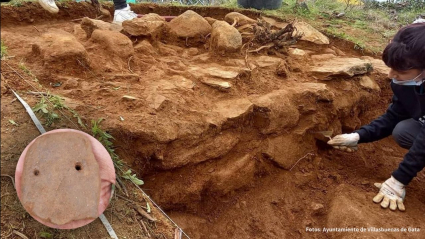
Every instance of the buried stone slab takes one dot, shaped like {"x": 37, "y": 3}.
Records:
{"x": 59, "y": 185}
{"x": 340, "y": 67}
{"x": 61, "y": 49}
{"x": 189, "y": 25}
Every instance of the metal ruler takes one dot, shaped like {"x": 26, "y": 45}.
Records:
{"x": 42, "y": 131}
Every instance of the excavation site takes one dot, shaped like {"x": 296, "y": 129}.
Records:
{"x": 223, "y": 113}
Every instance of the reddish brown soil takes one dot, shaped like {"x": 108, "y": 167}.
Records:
{"x": 326, "y": 188}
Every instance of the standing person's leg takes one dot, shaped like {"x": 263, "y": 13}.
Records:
{"x": 405, "y": 132}
{"x": 122, "y": 11}
{"x": 49, "y": 5}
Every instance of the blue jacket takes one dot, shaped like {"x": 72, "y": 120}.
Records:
{"x": 408, "y": 102}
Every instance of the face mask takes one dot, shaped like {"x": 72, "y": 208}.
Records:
{"x": 414, "y": 81}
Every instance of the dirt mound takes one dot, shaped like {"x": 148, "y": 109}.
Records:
{"x": 223, "y": 142}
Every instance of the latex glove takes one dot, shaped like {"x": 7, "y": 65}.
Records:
{"x": 345, "y": 142}
{"x": 391, "y": 193}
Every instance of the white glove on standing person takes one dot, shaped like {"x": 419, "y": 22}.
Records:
{"x": 345, "y": 142}
{"x": 391, "y": 193}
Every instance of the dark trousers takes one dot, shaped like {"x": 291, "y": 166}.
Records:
{"x": 120, "y": 4}
{"x": 406, "y": 131}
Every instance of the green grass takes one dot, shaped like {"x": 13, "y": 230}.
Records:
{"x": 3, "y": 50}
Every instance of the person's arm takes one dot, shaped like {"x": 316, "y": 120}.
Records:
{"x": 414, "y": 160}
{"x": 383, "y": 126}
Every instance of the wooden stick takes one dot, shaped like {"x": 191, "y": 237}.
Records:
{"x": 144, "y": 226}
{"x": 20, "y": 234}
{"x": 144, "y": 214}
{"x": 261, "y": 48}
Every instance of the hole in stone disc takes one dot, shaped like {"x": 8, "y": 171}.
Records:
{"x": 36, "y": 172}
{"x": 78, "y": 166}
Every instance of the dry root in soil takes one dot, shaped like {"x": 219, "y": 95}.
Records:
{"x": 268, "y": 38}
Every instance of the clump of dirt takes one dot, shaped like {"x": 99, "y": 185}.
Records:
{"x": 224, "y": 141}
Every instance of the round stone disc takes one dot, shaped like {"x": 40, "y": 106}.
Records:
{"x": 60, "y": 179}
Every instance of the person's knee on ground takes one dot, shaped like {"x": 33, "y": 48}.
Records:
{"x": 405, "y": 132}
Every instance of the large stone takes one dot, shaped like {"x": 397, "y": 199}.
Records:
{"x": 285, "y": 150}
{"x": 189, "y": 24}
{"x": 61, "y": 50}
{"x": 145, "y": 47}
{"x": 340, "y": 67}
{"x": 274, "y": 112}
{"x": 369, "y": 83}
{"x": 210, "y": 148}
{"x": 149, "y": 25}
{"x": 378, "y": 65}
{"x": 234, "y": 111}
{"x": 237, "y": 173}
{"x": 60, "y": 180}
{"x": 225, "y": 38}
{"x": 114, "y": 42}
{"x": 315, "y": 91}
{"x": 310, "y": 33}
{"x": 89, "y": 25}
{"x": 239, "y": 18}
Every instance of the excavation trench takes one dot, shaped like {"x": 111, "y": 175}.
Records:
{"x": 224, "y": 143}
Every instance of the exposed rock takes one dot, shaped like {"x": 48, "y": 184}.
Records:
{"x": 209, "y": 149}
{"x": 225, "y": 38}
{"x": 114, "y": 42}
{"x": 155, "y": 101}
{"x": 322, "y": 57}
{"x": 285, "y": 151}
{"x": 216, "y": 71}
{"x": 218, "y": 84}
{"x": 182, "y": 82}
{"x": 89, "y": 25}
{"x": 297, "y": 52}
{"x": 274, "y": 112}
{"x": 314, "y": 91}
{"x": 189, "y": 24}
{"x": 233, "y": 175}
{"x": 193, "y": 51}
{"x": 369, "y": 83}
{"x": 266, "y": 61}
{"x": 210, "y": 20}
{"x": 61, "y": 50}
{"x": 329, "y": 51}
{"x": 240, "y": 18}
{"x": 79, "y": 33}
{"x": 145, "y": 47}
{"x": 378, "y": 65}
{"x": 129, "y": 97}
{"x": 71, "y": 83}
{"x": 153, "y": 17}
{"x": 310, "y": 33}
{"x": 234, "y": 111}
{"x": 148, "y": 25}
{"x": 341, "y": 67}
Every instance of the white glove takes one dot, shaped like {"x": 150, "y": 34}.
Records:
{"x": 392, "y": 193}
{"x": 345, "y": 142}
